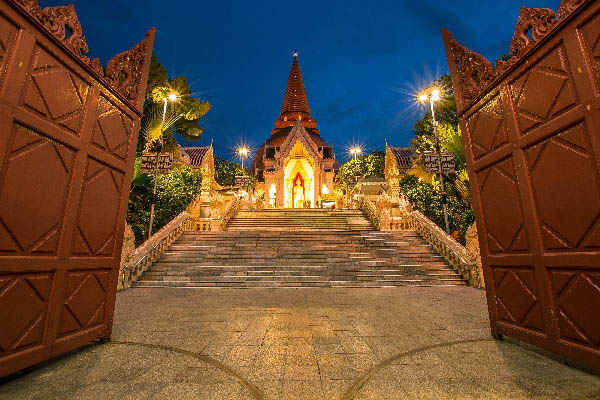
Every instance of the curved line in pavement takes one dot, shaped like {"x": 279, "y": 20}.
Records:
{"x": 358, "y": 384}
{"x": 223, "y": 367}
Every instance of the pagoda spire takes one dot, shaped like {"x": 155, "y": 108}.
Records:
{"x": 295, "y": 104}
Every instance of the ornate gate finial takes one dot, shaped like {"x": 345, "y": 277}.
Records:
{"x": 123, "y": 72}
{"x": 472, "y": 73}
{"x": 539, "y": 21}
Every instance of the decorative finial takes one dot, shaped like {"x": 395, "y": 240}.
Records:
{"x": 295, "y": 54}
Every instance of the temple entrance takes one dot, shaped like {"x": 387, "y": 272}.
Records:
{"x": 299, "y": 179}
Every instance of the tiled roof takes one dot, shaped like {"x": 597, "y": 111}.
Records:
{"x": 404, "y": 155}
{"x": 278, "y": 139}
{"x": 193, "y": 156}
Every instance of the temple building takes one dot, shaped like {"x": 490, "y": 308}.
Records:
{"x": 295, "y": 164}
{"x": 404, "y": 161}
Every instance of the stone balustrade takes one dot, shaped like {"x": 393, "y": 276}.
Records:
{"x": 385, "y": 217}
{"x": 452, "y": 251}
{"x": 370, "y": 210}
{"x": 142, "y": 258}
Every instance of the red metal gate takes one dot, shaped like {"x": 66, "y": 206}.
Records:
{"x": 531, "y": 131}
{"x": 68, "y": 132}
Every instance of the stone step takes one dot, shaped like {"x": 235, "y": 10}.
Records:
{"x": 293, "y": 284}
{"x": 346, "y": 268}
{"x": 296, "y": 249}
{"x": 297, "y": 278}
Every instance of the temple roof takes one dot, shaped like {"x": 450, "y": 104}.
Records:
{"x": 279, "y": 137}
{"x": 295, "y": 104}
{"x": 405, "y": 156}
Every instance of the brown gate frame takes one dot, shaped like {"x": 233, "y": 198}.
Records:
{"x": 531, "y": 132}
{"x": 68, "y": 133}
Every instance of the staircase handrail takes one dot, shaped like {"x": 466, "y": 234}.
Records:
{"x": 452, "y": 251}
{"x": 230, "y": 209}
{"x": 370, "y": 210}
{"x": 152, "y": 249}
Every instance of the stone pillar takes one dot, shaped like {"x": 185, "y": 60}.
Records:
{"x": 394, "y": 183}
{"x": 280, "y": 188}
{"x": 474, "y": 256}
{"x": 205, "y": 191}
{"x": 127, "y": 251}
{"x": 317, "y": 187}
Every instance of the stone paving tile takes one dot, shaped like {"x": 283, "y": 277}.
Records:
{"x": 301, "y": 390}
{"x": 302, "y": 372}
{"x": 305, "y": 344}
{"x": 242, "y": 356}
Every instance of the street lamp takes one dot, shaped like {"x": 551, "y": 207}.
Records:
{"x": 172, "y": 97}
{"x": 243, "y": 152}
{"x": 355, "y": 151}
{"x": 433, "y": 95}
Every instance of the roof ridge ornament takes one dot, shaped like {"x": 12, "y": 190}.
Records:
{"x": 474, "y": 73}
{"x": 123, "y": 72}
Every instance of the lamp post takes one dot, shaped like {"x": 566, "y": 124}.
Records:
{"x": 243, "y": 152}
{"x": 355, "y": 151}
{"x": 433, "y": 95}
{"x": 171, "y": 97}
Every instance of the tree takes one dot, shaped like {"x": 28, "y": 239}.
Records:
{"x": 426, "y": 198}
{"x": 445, "y": 114}
{"x": 226, "y": 171}
{"x": 175, "y": 191}
{"x": 457, "y": 184}
{"x": 183, "y": 116}
{"x": 372, "y": 165}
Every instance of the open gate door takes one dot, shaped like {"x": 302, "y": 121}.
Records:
{"x": 531, "y": 132}
{"x": 68, "y": 132}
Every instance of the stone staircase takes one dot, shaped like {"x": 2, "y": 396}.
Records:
{"x": 299, "y": 248}
{"x": 299, "y": 219}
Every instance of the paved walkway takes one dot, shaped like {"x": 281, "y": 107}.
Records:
{"x": 397, "y": 343}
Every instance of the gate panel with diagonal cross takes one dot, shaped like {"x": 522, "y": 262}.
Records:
{"x": 530, "y": 130}
{"x": 67, "y": 145}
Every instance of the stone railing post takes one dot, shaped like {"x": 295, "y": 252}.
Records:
{"x": 474, "y": 254}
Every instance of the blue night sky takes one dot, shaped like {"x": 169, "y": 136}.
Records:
{"x": 359, "y": 61}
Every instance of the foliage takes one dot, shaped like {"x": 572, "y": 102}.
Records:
{"x": 451, "y": 140}
{"x": 175, "y": 191}
{"x": 457, "y": 184}
{"x": 372, "y": 165}
{"x": 426, "y": 198}
{"x": 445, "y": 114}
{"x": 182, "y": 117}
{"x": 226, "y": 171}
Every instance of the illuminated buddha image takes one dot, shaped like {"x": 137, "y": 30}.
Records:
{"x": 298, "y": 192}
